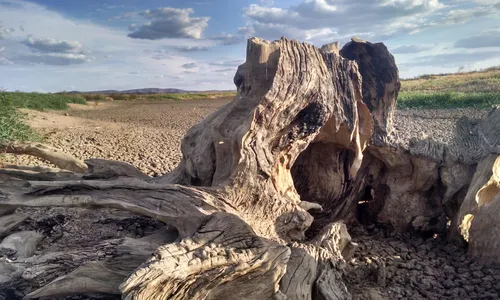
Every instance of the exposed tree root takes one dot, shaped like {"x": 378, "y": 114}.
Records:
{"x": 54, "y": 156}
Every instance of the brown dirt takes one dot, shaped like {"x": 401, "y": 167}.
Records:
{"x": 147, "y": 135}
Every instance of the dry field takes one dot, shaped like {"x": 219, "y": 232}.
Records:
{"x": 147, "y": 134}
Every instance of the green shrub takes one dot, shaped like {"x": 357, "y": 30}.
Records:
{"x": 42, "y": 102}
{"x": 12, "y": 123}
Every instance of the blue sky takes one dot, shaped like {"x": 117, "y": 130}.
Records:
{"x": 55, "y": 45}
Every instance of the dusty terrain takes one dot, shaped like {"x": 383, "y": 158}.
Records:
{"x": 147, "y": 134}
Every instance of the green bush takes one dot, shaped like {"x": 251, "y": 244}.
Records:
{"x": 12, "y": 123}
{"x": 447, "y": 100}
{"x": 42, "y": 102}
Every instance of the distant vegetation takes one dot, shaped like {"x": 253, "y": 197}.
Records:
{"x": 478, "y": 89}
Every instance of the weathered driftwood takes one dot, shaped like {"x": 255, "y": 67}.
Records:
{"x": 263, "y": 183}
{"x": 54, "y": 156}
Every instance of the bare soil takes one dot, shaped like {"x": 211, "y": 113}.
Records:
{"x": 148, "y": 134}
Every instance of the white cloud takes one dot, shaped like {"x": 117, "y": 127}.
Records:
{"x": 318, "y": 21}
{"x": 47, "y": 45}
{"x": 168, "y": 22}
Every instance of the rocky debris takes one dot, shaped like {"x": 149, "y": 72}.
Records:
{"x": 439, "y": 124}
{"x": 405, "y": 266}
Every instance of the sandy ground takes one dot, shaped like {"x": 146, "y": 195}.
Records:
{"x": 148, "y": 134}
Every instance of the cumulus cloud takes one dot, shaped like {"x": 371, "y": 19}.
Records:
{"x": 409, "y": 49}
{"x": 189, "y": 65}
{"x": 168, "y": 22}
{"x": 47, "y": 45}
{"x": 324, "y": 20}
{"x": 50, "y": 51}
{"x": 489, "y": 38}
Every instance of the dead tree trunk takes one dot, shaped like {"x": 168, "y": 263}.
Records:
{"x": 256, "y": 197}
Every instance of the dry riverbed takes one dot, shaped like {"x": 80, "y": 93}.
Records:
{"x": 148, "y": 134}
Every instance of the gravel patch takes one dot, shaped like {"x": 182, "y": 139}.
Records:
{"x": 404, "y": 266}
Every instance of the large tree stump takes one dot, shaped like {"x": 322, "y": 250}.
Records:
{"x": 258, "y": 196}
{"x": 232, "y": 199}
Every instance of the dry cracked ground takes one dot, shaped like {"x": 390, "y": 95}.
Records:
{"x": 147, "y": 135}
